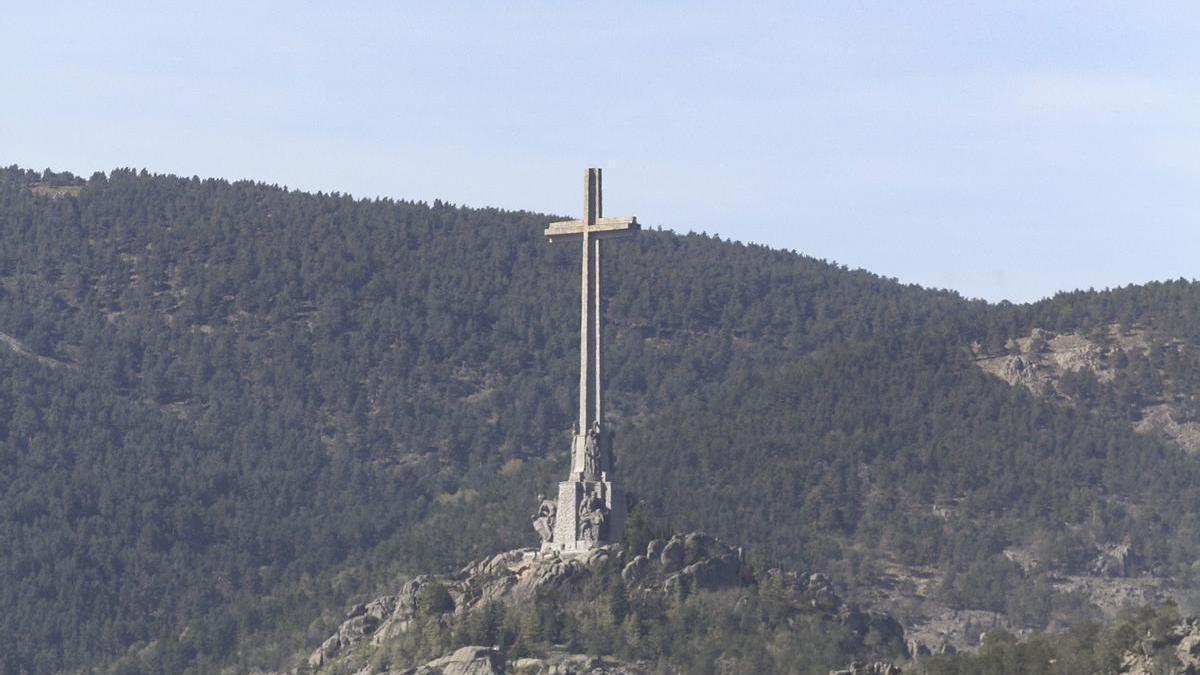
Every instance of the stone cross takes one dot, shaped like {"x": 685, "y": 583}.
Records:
{"x": 590, "y": 230}
{"x": 590, "y": 509}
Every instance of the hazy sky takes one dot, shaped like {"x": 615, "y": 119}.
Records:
{"x": 1005, "y": 150}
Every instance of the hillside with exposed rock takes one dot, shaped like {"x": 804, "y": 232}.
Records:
{"x": 1143, "y": 376}
{"x": 1150, "y": 641}
{"x": 231, "y": 410}
{"x": 683, "y": 600}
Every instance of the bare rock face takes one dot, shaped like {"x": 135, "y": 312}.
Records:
{"x": 713, "y": 573}
{"x": 1188, "y": 651}
{"x": 696, "y": 546}
{"x": 877, "y": 668}
{"x": 490, "y": 579}
{"x": 464, "y": 661}
{"x": 522, "y": 575}
{"x": 683, "y": 564}
{"x": 918, "y": 648}
{"x": 695, "y": 561}
{"x": 820, "y": 589}
{"x": 1184, "y": 644}
{"x": 672, "y": 555}
{"x": 635, "y": 570}
{"x": 1042, "y": 361}
{"x": 1017, "y": 371}
{"x": 547, "y": 574}
{"x": 1136, "y": 664}
{"x": 655, "y": 548}
{"x": 361, "y": 621}
{"x": 1038, "y": 362}
{"x": 579, "y": 664}
{"x": 1114, "y": 561}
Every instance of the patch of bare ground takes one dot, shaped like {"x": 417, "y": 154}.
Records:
{"x": 178, "y": 409}
{"x": 55, "y": 191}
{"x": 1158, "y": 419}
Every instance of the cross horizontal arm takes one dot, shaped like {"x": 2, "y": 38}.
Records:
{"x": 604, "y": 228}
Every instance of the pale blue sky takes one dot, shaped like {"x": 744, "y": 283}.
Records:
{"x": 1005, "y": 150}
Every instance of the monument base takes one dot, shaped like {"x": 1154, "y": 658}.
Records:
{"x": 589, "y": 514}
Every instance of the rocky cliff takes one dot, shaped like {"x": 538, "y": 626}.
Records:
{"x": 1141, "y": 370}
{"x": 669, "y": 571}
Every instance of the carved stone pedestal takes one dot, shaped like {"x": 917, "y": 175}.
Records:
{"x": 589, "y": 514}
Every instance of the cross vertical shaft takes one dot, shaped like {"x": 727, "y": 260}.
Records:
{"x": 589, "y": 458}
{"x": 590, "y": 406}
{"x": 590, "y": 508}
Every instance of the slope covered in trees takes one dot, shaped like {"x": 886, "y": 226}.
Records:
{"x": 250, "y": 404}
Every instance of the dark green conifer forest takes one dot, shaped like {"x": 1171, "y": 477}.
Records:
{"x": 229, "y": 409}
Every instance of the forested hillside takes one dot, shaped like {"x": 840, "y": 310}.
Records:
{"x": 230, "y": 408}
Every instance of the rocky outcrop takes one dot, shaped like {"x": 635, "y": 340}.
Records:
{"x": 1149, "y": 657}
{"x": 816, "y": 591}
{"x": 636, "y": 570}
{"x": 695, "y": 561}
{"x": 579, "y": 664}
{"x": 1041, "y": 361}
{"x": 690, "y": 562}
{"x": 464, "y": 661}
{"x": 877, "y": 668}
{"x": 1038, "y": 362}
{"x": 520, "y": 572}
{"x": 683, "y": 564}
{"x": 1115, "y": 561}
